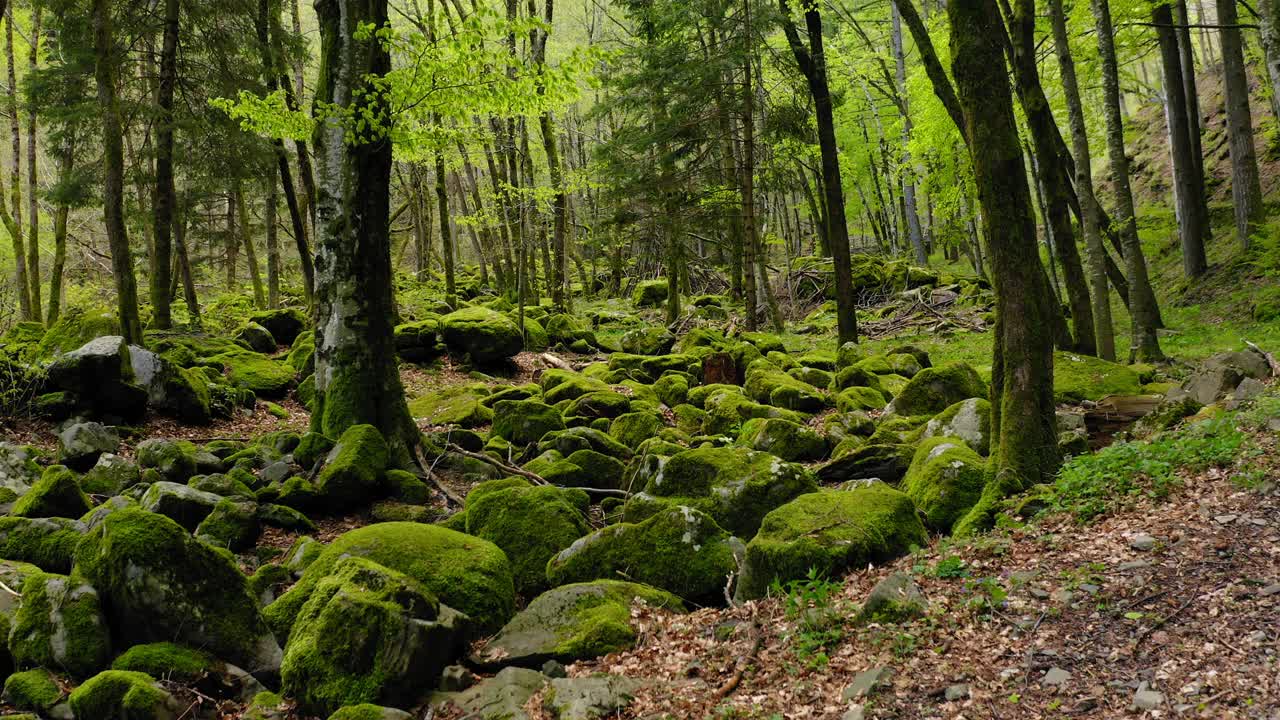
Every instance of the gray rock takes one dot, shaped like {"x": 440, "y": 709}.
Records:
{"x": 554, "y": 669}
{"x": 1272, "y": 589}
{"x": 110, "y": 475}
{"x": 1248, "y": 389}
{"x": 184, "y": 505}
{"x": 171, "y": 390}
{"x": 1056, "y": 676}
{"x": 956, "y": 692}
{"x": 590, "y": 698}
{"x": 18, "y": 468}
{"x": 501, "y": 697}
{"x": 1069, "y": 421}
{"x": 894, "y": 599}
{"x": 60, "y": 625}
{"x": 1142, "y": 542}
{"x": 1222, "y": 373}
{"x": 1147, "y": 700}
{"x": 275, "y": 472}
{"x": 855, "y": 712}
{"x": 968, "y": 420}
{"x": 81, "y": 443}
{"x": 456, "y": 678}
{"x": 867, "y": 682}
{"x": 100, "y": 374}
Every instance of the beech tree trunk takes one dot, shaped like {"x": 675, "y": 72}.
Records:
{"x": 33, "y": 200}
{"x": 250, "y": 252}
{"x": 162, "y": 204}
{"x": 1246, "y": 189}
{"x": 113, "y": 174}
{"x": 357, "y": 379}
{"x": 1023, "y": 426}
{"x": 66, "y": 161}
{"x": 184, "y": 265}
{"x": 908, "y": 182}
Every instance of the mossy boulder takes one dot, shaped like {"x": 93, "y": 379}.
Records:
{"x": 284, "y": 324}
{"x": 599, "y": 404}
{"x": 175, "y": 460}
{"x": 573, "y": 622}
{"x": 165, "y": 659}
{"x": 369, "y": 711}
{"x": 183, "y": 504}
{"x": 231, "y": 525}
{"x": 726, "y": 411}
{"x": 367, "y": 634}
{"x": 944, "y": 480}
{"x": 968, "y": 420}
{"x": 767, "y": 384}
{"x": 680, "y": 550}
{"x": 764, "y": 342}
{"x": 648, "y": 340}
{"x": 855, "y": 399}
{"x": 124, "y": 695}
{"x": 485, "y": 335}
{"x": 699, "y": 395}
{"x": 48, "y": 543}
{"x": 631, "y": 429}
{"x": 261, "y": 375}
{"x": 650, "y": 293}
{"x": 35, "y": 690}
{"x": 672, "y": 390}
{"x": 99, "y": 377}
{"x": 257, "y": 338}
{"x": 830, "y": 532}
{"x": 465, "y": 572}
{"x": 191, "y": 592}
{"x": 567, "y": 329}
{"x": 886, "y": 461}
{"x": 60, "y": 626}
{"x": 525, "y": 421}
{"x": 571, "y": 440}
{"x": 530, "y": 525}
{"x": 1082, "y": 377}
{"x": 81, "y": 443}
{"x": 419, "y": 341}
{"x": 788, "y": 440}
{"x": 74, "y": 328}
{"x": 453, "y": 405}
{"x": 560, "y": 385}
{"x": 353, "y": 469}
{"x": 302, "y": 354}
{"x": 934, "y": 389}
{"x": 56, "y": 494}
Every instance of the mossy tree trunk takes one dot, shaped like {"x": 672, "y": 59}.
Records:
{"x": 1246, "y": 189}
{"x": 33, "y": 189}
{"x": 105, "y": 61}
{"x": 1022, "y": 416}
{"x": 357, "y": 380}
{"x": 162, "y": 202}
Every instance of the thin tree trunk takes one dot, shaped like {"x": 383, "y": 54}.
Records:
{"x": 1186, "y": 54}
{"x": 184, "y": 266}
{"x": 28, "y": 275}
{"x": 1095, "y": 251}
{"x": 163, "y": 193}
{"x": 908, "y": 183}
{"x": 250, "y": 252}
{"x": 66, "y": 162}
{"x": 113, "y": 175}
{"x": 1144, "y": 344}
{"x": 33, "y": 190}
{"x": 270, "y": 218}
{"x": 446, "y": 235}
{"x": 1269, "y": 21}
{"x": 1246, "y": 190}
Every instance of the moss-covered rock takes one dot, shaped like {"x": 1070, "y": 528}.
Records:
{"x": 698, "y": 396}
{"x": 465, "y": 572}
{"x": 933, "y": 389}
{"x": 369, "y": 711}
{"x": 648, "y": 340}
{"x": 726, "y": 411}
{"x": 34, "y": 690}
{"x": 867, "y": 460}
{"x": 453, "y": 405}
{"x": 767, "y": 384}
{"x": 599, "y": 404}
{"x": 764, "y": 342}
{"x": 485, "y": 335}
{"x": 302, "y": 354}
{"x": 786, "y": 439}
{"x": 191, "y": 593}
{"x": 124, "y": 695}
{"x": 944, "y": 480}
{"x": 671, "y": 390}
{"x": 530, "y": 525}
{"x": 568, "y": 441}
{"x": 1082, "y": 377}
{"x": 650, "y": 293}
{"x": 419, "y": 341}
{"x": 60, "y": 625}
{"x": 56, "y": 494}
{"x": 353, "y": 469}
{"x": 252, "y": 371}
{"x": 284, "y": 324}
{"x": 568, "y": 329}
{"x": 48, "y": 543}
{"x": 680, "y": 550}
{"x": 856, "y": 399}
{"x": 968, "y": 420}
{"x": 74, "y": 328}
{"x": 830, "y": 532}
{"x": 634, "y": 428}
{"x": 525, "y": 421}
{"x": 368, "y": 633}
{"x": 175, "y": 460}
{"x": 111, "y": 475}
{"x": 183, "y": 504}
{"x": 257, "y": 338}
{"x": 231, "y": 525}
{"x": 165, "y": 659}
{"x": 571, "y": 623}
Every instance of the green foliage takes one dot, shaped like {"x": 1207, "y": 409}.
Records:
{"x": 810, "y": 602}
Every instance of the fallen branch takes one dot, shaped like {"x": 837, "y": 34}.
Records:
{"x": 555, "y": 362}
{"x": 431, "y": 477}
{"x": 535, "y": 478}
{"x": 744, "y": 661}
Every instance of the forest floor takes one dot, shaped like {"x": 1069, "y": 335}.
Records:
{"x": 1169, "y": 606}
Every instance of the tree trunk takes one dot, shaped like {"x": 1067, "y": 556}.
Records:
{"x": 1246, "y": 190}
{"x": 1095, "y": 251}
{"x": 33, "y": 199}
{"x": 1193, "y": 217}
{"x": 30, "y": 306}
{"x": 1144, "y": 345}
{"x": 250, "y": 252}
{"x": 1023, "y": 426}
{"x": 446, "y": 236}
{"x": 357, "y": 378}
{"x": 232, "y": 240}
{"x": 66, "y": 162}
{"x": 813, "y": 64}
{"x": 1186, "y": 54}
{"x": 184, "y": 266}
{"x": 908, "y": 183}
{"x": 270, "y": 219}
{"x": 163, "y": 193}
{"x": 1269, "y": 21}
{"x": 113, "y": 174}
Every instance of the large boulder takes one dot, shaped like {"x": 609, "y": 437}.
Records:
{"x": 353, "y": 469}
{"x": 1083, "y": 377}
{"x": 124, "y": 695}
{"x": 175, "y": 460}
{"x": 159, "y": 583}
{"x": 56, "y": 494}
{"x": 501, "y": 697}
{"x": 944, "y": 480}
{"x": 571, "y": 623}
{"x": 468, "y": 574}
{"x": 48, "y": 543}
{"x": 81, "y": 443}
{"x": 368, "y": 634}
{"x": 257, "y": 338}
{"x": 525, "y": 421}
{"x": 18, "y": 469}
{"x": 419, "y": 341}
{"x": 176, "y": 391}
{"x": 255, "y": 372}
{"x": 737, "y": 487}
{"x": 933, "y": 389}
{"x": 284, "y": 324}
{"x": 1221, "y": 374}
{"x": 680, "y": 550}
{"x": 182, "y": 504}
{"x": 829, "y": 532}
{"x": 75, "y": 327}
{"x": 486, "y": 335}
{"x": 650, "y": 293}
{"x": 968, "y": 420}
{"x": 60, "y": 625}
{"x": 650, "y": 340}
{"x": 530, "y": 524}
{"x": 788, "y": 440}
{"x": 99, "y": 374}
{"x": 459, "y": 405}
{"x": 767, "y": 384}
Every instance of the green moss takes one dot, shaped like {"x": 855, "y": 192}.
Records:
{"x": 173, "y": 459}
{"x": 364, "y": 711}
{"x": 968, "y": 420}
{"x": 525, "y": 421}
{"x": 559, "y": 385}
{"x": 698, "y": 396}
{"x": 569, "y": 441}
{"x": 59, "y": 625}
{"x": 1082, "y": 377}
{"x": 788, "y": 440}
{"x": 232, "y": 525}
{"x": 859, "y": 398}
{"x": 830, "y": 532}
{"x": 311, "y": 447}
{"x": 485, "y": 335}
{"x": 764, "y": 342}
{"x": 767, "y": 384}
{"x": 49, "y": 543}
{"x": 453, "y": 405}
{"x": 632, "y": 429}
{"x": 166, "y": 660}
{"x": 74, "y": 328}
{"x": 680, "y": 550}
{"x": 944, "y": 480}
{"x": 650, "y": 293}
{"x": 32, "y": 690}
{"x": 672, "y": 390}
{"x": 529, "y": 524}
{"x": 121, "y": 695}
{"x": 726, "y": 412}
{"x": 56, "y": 494}
{"x": 353, "y": 470}
{"x": 256, "y": 372}
{"x": 465, "y": 572}
{"x": 598, "y": 470}
{"x": 933, "y": 389}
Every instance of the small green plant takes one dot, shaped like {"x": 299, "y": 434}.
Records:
{"x": 951, "y": 567}
{"x": 985, "y": 595}
{"x": 809, "y": 602}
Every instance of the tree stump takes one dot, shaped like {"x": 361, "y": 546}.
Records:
{"x": 719, "y": 368}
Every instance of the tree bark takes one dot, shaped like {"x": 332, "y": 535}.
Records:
{"x": 446, "y": 236}
{"x": 273, "y": 239}
{"x": 1269, "y": 22}
{"x": 1246, "y": 189}
{"x": 14, "y": 222}
{"x": 908, "y": 183}
{"x": 163, "y": 200}
{"x": 1193, "y": 216}
{"x": 357, "y": 378}
{"x": 33, "y": 190}
{"x": 1186, "y": 54}
{"x": 1144, "y": 345}
{"x": 113, "y": 174}
{"x": 1023, "y": 425}
{"x": 66, "y": 162}
{"x": 813, "y": 65}
{"x": 184, "y": 265}
{"x": 250, "y": 252}
{"x": 1095, "y": 251}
